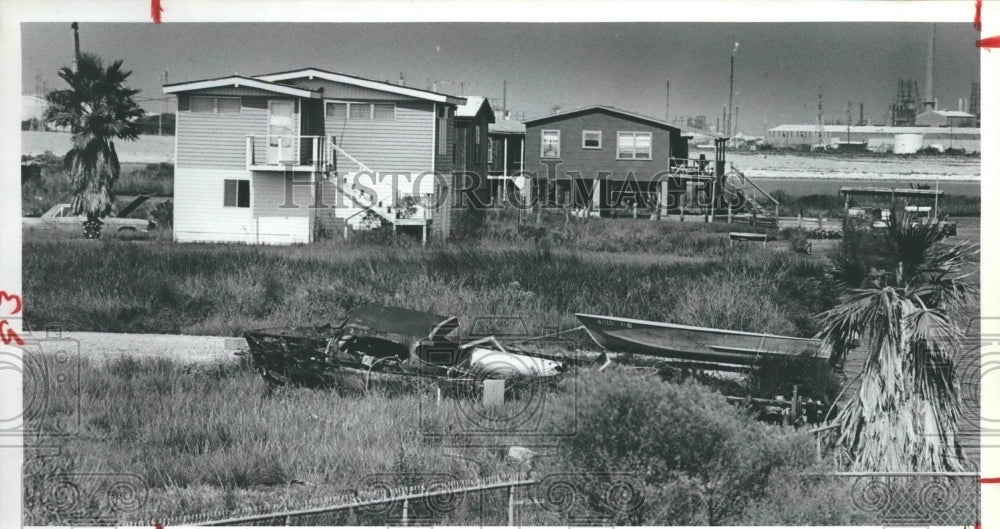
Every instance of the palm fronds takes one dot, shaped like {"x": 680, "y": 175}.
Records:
{"x": 98, "y": 109}
{"x": 904, "y": 415}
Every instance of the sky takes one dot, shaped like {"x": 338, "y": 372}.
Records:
{"x": 780, "y": 68}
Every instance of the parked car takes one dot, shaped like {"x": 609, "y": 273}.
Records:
{"x": 60, "y": 218}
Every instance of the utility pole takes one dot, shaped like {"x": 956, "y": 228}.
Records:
{"x": 504, "y": 99}
{"x": 732, "y": 69}
{"x": 819, "y": 116}
{"x": 848, "y": 122}
{"x": 76, "y": 44}
{"x": 668, "y": 102}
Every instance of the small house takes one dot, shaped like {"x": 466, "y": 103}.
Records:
{"x": 581, "y": 149}
{"x": 472, "y": 122}
{"x": 290, "y": 156}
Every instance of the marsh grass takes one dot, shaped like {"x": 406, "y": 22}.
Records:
{"x": 156, "y": 286}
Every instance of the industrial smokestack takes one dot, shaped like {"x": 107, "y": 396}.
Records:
{"x": 929, "y": 103}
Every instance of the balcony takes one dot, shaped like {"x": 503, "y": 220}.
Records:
{"x": 281, "y": 153}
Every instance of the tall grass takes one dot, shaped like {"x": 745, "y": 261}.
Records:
{"x": 210, "y": 438}
{"x": 227, "y": 289}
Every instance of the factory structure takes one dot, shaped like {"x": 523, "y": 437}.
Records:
{"x": 914, "y": 123}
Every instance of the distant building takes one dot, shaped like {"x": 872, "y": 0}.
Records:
{"x": 946, "y": 118}
{"x": 878, "y": 138}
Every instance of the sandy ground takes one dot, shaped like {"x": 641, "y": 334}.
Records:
{"x": 98, "y": 347}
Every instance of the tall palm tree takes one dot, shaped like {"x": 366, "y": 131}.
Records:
{"x": 901, "y": 291}
{"x": 98, "y": 109}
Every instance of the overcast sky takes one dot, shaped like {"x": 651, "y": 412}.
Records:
{"x": 780, "y": 67}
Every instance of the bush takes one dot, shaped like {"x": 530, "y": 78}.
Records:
{"x": 691, "y": 458}
{"x": 163, "y": 214}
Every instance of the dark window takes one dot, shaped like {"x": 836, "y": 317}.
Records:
{"x": 237, "y": 194}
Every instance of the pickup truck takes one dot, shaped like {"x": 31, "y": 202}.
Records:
{"x": 61, "y": 219}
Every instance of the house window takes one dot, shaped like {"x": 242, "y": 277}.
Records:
{"x": 215, "y": 105}
{"x": 489, "y": 153}
{"x": 550, "y": 144}
{"x": 591, "y": 139}
{"x": 384, "y": 111}
{"x": 361, "y": 111}
{"x": 336, "y": 111}
{"x": 635, "y": 145}
{"x": 442, "y": 131}
{"x": 236, "y": 194}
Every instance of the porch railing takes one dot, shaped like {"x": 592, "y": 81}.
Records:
{"x": 276, "y": 152}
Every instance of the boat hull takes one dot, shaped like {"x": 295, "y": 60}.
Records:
{"x": 695, "y": 344}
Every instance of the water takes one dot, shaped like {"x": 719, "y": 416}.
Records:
{"x": 824, "y": 186}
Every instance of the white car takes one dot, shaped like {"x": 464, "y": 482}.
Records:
{"x": 60, "y": 219}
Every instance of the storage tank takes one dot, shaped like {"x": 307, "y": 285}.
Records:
{"x": 908, "y": 143}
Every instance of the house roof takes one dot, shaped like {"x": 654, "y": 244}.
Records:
{"x": 602, "y": 108}
{"x": 874, "y": 129}
{"x": 473, "y": 105}
{"x": 507, "y": 126}
{"x": 239, "y": 80}
{"x": 948, "y": 113}
{"x": 362, "y": 82}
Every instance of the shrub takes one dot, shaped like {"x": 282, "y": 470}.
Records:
{"x": 691, "y": 457}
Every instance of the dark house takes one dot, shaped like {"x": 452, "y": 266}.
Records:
{"x": 472, "y": 144}
{"x": 600, "y": 144}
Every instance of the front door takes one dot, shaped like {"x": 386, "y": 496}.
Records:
{"x": 282, "y": 140}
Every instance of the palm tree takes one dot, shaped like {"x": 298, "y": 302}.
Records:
{"x": 98, "y": 109}
{"x": 901, "y": 290}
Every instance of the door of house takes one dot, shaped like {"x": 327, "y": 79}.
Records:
{"x": 282, "y": 140}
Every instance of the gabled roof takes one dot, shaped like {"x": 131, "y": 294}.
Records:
{"x": 362, "y": 82}
{"x": 602, "y": 108}
{"x": 473, "y": 105}
{"x": 948, "y": 113}
{"x": 237, "y": 81}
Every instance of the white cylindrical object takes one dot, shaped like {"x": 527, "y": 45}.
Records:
{"x": 907, "y": 143}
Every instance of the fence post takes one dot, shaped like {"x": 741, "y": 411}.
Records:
{"x": 510, "y": 506}
{"x": 406, "y": 504}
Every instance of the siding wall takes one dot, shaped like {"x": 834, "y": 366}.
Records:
{"x": 199, "y": 214}
{"x": 277, "y": 225}
{"x": 400, "y": 145}
{"x": 444, "y": 165}
{"x": 333, "y": 90}
{"x": 590, "y": 161}
{"x": 218, "y": 141}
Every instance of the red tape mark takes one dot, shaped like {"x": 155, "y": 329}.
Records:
{"x": 989, "y": 42}
{"x": 977, "y": 22}
{"x": 156, "y": 9}
{"x": 10, "y": 335}
{"x": 989, "y": 481}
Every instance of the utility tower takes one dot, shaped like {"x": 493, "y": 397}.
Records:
{"x": 904, "y": 107}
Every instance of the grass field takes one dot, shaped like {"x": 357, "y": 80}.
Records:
{"x": 213, "y": 439}
{"x": 659, "y": 271}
